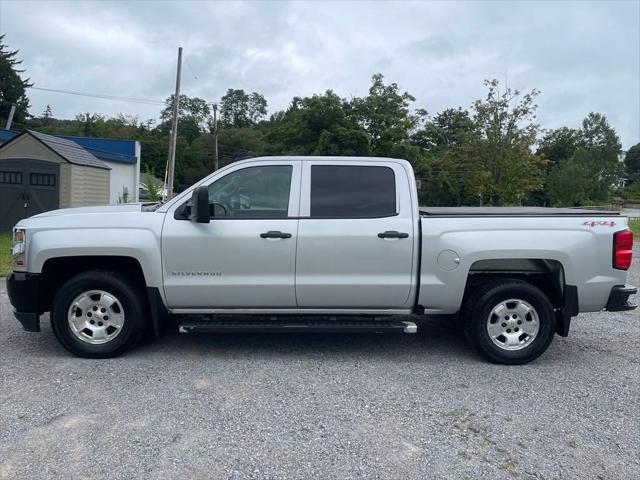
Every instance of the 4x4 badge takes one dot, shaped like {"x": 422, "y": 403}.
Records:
{"x": 594, "y": 223}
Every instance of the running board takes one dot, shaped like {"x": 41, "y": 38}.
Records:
{"x": 348, "y": 326}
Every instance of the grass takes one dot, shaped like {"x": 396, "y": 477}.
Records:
{"x": 5, "y": 254}
{"x": 635, "y": 226}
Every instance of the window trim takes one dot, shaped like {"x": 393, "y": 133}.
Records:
{"x": 19, "y": 174}
{"x": 307, "y": 190}
{"x": 48, "y": 174}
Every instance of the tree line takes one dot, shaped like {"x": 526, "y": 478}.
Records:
{"x": 492, "y": 152}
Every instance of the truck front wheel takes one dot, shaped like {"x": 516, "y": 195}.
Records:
{"x": 510, "y": 321}
{"x": 98, "y": 314}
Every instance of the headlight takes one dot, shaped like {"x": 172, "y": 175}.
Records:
{"x": 18, "y": 249}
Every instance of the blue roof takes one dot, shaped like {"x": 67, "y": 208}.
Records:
{"x": 114, "y": 150}
{"x": 107, "y": 148}
{"x": 7, "y": 134}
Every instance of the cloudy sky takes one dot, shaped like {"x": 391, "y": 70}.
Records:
{"x": 583, "y": 56}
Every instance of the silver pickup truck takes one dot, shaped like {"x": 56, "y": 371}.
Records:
{"x": 316, "y": 243}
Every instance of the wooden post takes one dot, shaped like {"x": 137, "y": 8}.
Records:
{"x": 10, "y": 119}
{"x": 171, "y": 163}
{"x": 215, "y": 135}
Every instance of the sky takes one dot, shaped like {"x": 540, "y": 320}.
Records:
{"x": 582, "y": 56}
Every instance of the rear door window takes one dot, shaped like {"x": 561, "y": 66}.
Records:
{"x": 351, "y": 191}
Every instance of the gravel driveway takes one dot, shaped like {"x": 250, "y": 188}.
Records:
{"x": 323, "y": 406}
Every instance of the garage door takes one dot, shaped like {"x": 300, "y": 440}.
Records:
{"x": 27, "y": 187}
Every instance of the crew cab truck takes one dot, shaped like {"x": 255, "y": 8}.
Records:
{"x": 316, "y": 243}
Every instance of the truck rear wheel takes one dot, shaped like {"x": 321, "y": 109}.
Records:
{"x": 510, "y": 321}
{"x": 98, "y": 314}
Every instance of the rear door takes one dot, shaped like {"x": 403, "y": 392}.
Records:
{"x": 355, "y": 236}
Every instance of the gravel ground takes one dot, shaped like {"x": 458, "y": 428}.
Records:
{"x": 323, "y": 406}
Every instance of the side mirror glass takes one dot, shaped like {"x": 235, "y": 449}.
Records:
{"x": 200, "y": 205}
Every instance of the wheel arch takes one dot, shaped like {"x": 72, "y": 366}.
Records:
{"x": 58, "y": 270}
{"x": 546, "y": 274}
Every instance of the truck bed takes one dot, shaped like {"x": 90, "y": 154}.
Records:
{"x": 512, "y": 212}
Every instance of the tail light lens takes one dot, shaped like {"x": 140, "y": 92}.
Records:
{"x": 622, "y": 249}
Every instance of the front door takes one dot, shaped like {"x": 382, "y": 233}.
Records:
{"x": 27, "y": 187}
{"x": 355, "y": 236}
{"x": 245, "y": 256}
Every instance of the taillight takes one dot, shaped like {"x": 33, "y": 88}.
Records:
{"x": 622, "y": 249}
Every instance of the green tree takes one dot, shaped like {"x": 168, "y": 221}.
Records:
{"x": 632, "y": 192}
{"x": 240, "y": 109}
{"x": 448, "y": 128}
{"x": 47, "y": 115}
{"x": 601, "y": 140}
{"x": 152, "y": 186}
{"x": 154, "y": 147}
{"x": 592, "y": 170}
{"x": 495, "y": 158}
{"x": 234, "y": 143}
{"x": 12, "y": 86}
{"x": 567, "y": 184}
{"x": 89, "y": 124}
{"x": 560, "y": 144}
{"x": 316, "y": 125}
{"x": 445, "y": 168}
{"x": 632, "y": 164}
{"x": 385, "y": 115}
{"x": 455, "y": 176}
{"x": 194, "y": 116}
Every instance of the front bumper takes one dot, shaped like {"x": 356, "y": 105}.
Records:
{"x": 619, "y": 298}
{"x": 23, "y": 288}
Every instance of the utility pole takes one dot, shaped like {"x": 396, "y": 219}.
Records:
{"x": 215, "y": 135}
{"x": 10, "y": 119}
{"x": 171, "y": 162}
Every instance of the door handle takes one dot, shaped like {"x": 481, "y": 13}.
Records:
{"x": 393, "y": 234}
{"x": 275, "y": 234}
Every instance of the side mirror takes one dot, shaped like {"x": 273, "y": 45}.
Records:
{"x": 200, "y": 205}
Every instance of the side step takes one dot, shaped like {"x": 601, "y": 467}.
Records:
{"x": 298, "y": 325}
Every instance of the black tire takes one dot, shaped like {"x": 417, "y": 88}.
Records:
{"x": 479, "y": 306}
{"x": 133, "y": 302}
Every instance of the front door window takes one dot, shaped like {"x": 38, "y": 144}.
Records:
{"x": 254, "y": 192}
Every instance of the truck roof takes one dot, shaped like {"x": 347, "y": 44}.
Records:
{"x": 316, "y": 158}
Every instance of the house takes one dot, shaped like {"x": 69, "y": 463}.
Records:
{"x": 123, "y": 156}
{"x": 40, "y": 172}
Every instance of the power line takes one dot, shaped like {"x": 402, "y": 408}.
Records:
{"x": 103, "y": 97}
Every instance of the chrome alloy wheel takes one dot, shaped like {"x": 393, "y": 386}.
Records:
{"x": 96, "y": 317}
{"x": 513, "y": 324}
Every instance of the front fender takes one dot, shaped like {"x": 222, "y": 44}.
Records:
{"x": 138, "y": 243}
